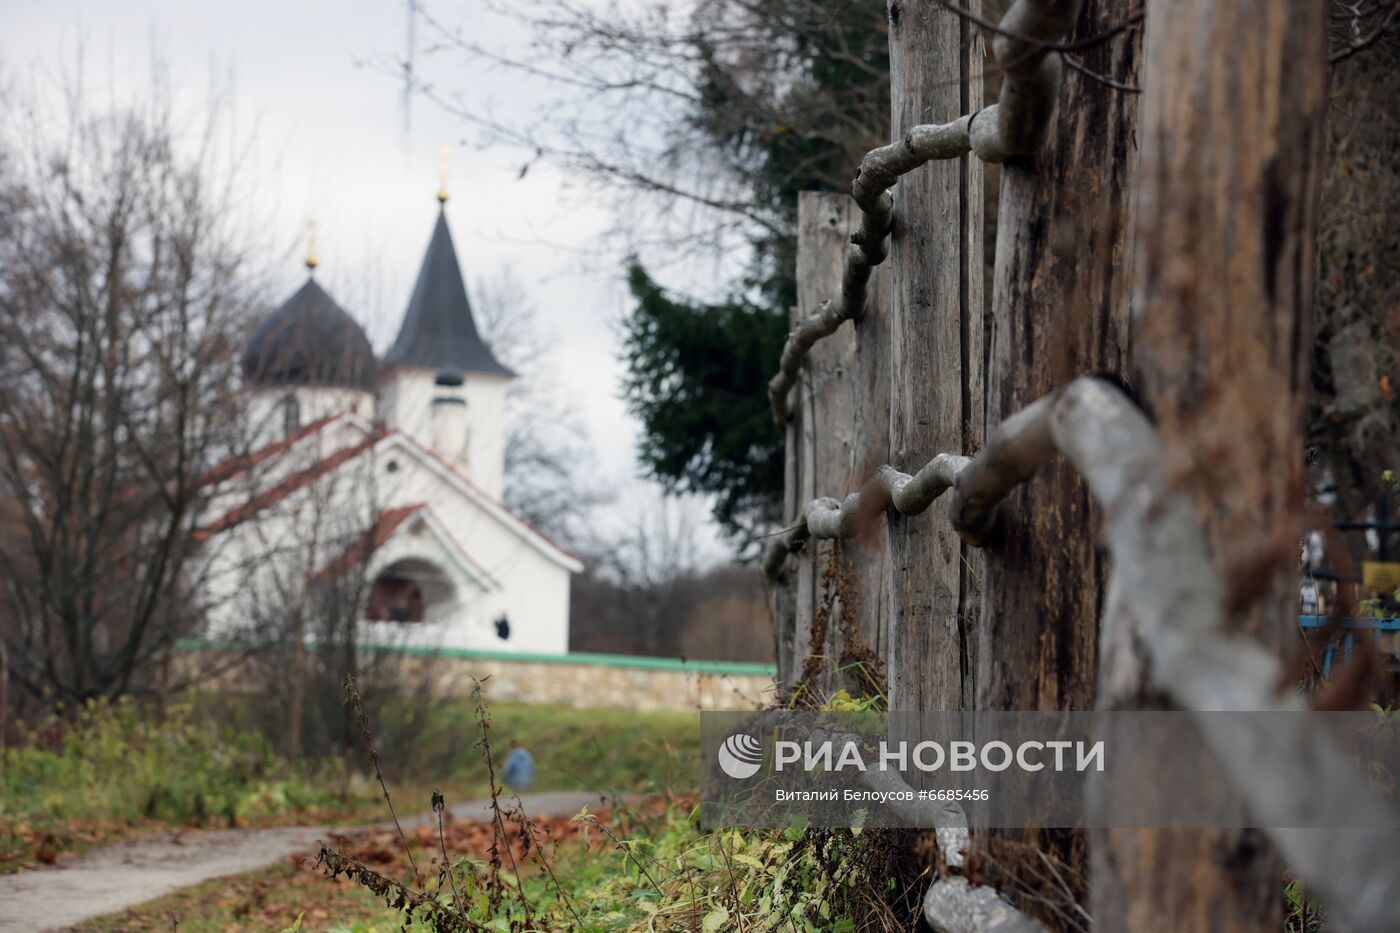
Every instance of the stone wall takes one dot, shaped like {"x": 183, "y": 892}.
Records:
{"x": 586, "y": 684}
{"x": 580, "y": 680}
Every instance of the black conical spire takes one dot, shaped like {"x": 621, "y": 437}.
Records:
{"x": 438, "y": 330}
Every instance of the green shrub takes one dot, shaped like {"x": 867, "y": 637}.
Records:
{"x": 667, "y": 875}
{"x": 85, "y": 773}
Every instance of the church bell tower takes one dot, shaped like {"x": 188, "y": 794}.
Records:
{"x": 440, "y": 383}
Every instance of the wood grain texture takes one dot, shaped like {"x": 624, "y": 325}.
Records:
{"x": 823, "y": 397}
{"x": 1231, "y": 130}
{"x": 936, "y": 350}
{"x": 783, "y": 590}
{"x": 843, "y": 396}
{"x": 1059, "y": 309}
{"x": 869, "y": 555}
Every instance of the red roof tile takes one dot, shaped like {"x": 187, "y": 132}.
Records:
{"x": 236, "y": 464}
{"x": 274, "y": 494}
{"x": 447, "y": 465}
{"x": 368, "y": 541}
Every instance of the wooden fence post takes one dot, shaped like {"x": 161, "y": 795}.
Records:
{"x": 1059, "y": 310}
{"x": 936, "y": 320}
{"x": 784, "y": 589}
{"x": 841, "y": 433}
{"x": 1234, "y": 94}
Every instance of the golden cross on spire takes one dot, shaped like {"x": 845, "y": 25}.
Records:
{"x": 311, "y": 260}
{"x": 443, "y": 155}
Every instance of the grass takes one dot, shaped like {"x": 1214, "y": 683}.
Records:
{"x": 653, "y": 869}
{"x": 106, "y": 771}
{"x": 622, "y": 750}
{"x": 647, "y": 868}
{"x": 274, "y": 898}
{"x": 602, "y": 749}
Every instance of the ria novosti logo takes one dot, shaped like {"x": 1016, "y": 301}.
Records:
{"x": 740, "y": 756}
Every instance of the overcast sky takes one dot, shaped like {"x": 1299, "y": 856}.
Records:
{"x": 335, "y": 144}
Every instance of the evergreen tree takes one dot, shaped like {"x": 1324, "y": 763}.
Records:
{"x": 697, "y": 379}
{"x": 796, "y": 121}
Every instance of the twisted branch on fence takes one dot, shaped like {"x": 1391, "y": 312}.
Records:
{"x": 1012, "y": 453}
{"x": 1166, "y": 598}
{"x": 832, "y": 518}
{"x": 956, "y": 905}
{"x": 1013, "y": 126}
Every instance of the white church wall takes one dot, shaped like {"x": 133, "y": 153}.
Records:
{"x": 293, "y": 538}
{"x": 457, "y": 621}
{"x": 305, "y": 453}
{"x": 534, "y": 590}
{"x": 254, "y": 571}
{"x": 406, "y": 402}
{"x": 267, "y": 408}
{"x": 407, "y": 405}
{"x": 486, "y": 438}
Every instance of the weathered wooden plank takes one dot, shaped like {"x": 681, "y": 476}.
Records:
{"x": 868, "y": 557}
{"x": 973, "y": 332}
{"x": 840, "y": 391}
{"x": 821, "y": 395}
{"x": 1059, "y": 310}
{"x": 784, "y": 590}
{"x": 1234, "y": 95}
{"x": 936, "y": 326}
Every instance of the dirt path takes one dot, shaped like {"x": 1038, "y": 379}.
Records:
{"x": 132, "y": 872}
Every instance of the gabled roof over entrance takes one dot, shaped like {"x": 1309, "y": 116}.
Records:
{"x": 379, "y": 441}
{"x": 387, "y": 526}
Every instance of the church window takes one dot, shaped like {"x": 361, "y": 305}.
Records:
{"x": 291, "y": 416}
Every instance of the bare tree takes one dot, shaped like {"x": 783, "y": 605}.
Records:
{"x": 726, "y": 617}
{"x": 303, "y": 583}
{"x": 654, "y": 556}
{"x": 700, "y": 121}
{"x": 304, "y": 589}
{"x": 124, "y": 287}
{"x": 548, "y": 458}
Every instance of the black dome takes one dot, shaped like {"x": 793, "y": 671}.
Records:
{"x": 310, "y": 340}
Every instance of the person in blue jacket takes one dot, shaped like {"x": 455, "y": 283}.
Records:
{"x": 519, "y": 772}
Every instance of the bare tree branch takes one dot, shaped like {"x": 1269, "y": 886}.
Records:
{"x": 1387, "y": 16}
{"x": 1013, "y": 126}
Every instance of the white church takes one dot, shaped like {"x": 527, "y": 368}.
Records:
{"x": 385, "y": 471}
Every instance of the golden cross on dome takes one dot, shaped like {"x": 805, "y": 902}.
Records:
{"x": 311, "y": 260}
{"x": 443, "y": 155}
